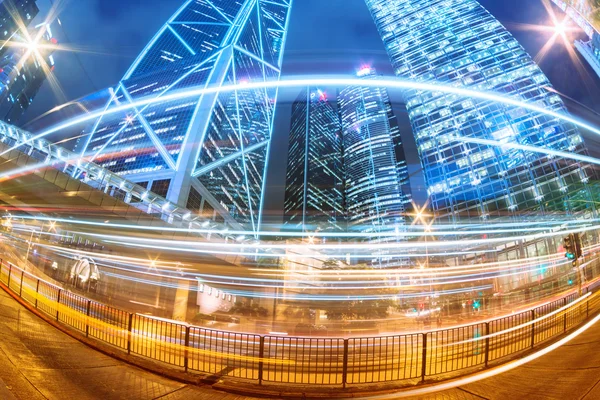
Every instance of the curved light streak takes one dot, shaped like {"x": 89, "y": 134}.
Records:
{"x": 438, "y": 272}
{"x": 534, "y": 149}
{"x": 431, "y": 274}
{"x": 523, "y": 325}
{"x": 394, "y": 83}
{"x": 486, "y": 374}
{"x": 451, "y": 228}
{"x": 346, "y": 246}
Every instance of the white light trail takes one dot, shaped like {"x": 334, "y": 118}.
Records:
{"x": 451, "y": 229}
{"x": 534, "y": 149}
{"x": 304, "y": 81}
{"x": 486, "y": 374}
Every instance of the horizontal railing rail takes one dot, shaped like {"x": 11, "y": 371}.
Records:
{"x": 405, "y": 358}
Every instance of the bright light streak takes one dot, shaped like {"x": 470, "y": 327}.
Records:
{"x": 442, "y": 273}
{"x": 392, "y": 83}
{"x": 486, "y": 374}
{"x": 534, "y": 149}
{"x": 525, "y": 324}
{"x": 490, "y": 228}
{"x": 334, "y": 246}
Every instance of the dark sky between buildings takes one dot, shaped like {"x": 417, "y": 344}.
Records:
{"x": 325, "y": 36}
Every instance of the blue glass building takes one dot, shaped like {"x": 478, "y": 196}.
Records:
{"x": 459, "y": 43}
{"x": 314, "y": 190}
{"x": 207, "y": 154}
{"x": 377, "y": 183}
{"x": 23, "y": 71}
{"x": 586, "y": 14}
{"x": 15, "y": 16}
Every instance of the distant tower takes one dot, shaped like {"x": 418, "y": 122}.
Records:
{"x": 314, "y": 195}
{"x": 460, "y": 44}
{"x": 206, "y": 153}
{"x": 377, "y": 183}
{"x": 23, "y": 71}
{"x": 15, "y": 16}
{"x": 585, "y": 14}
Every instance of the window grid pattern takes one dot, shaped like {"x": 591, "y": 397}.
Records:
{"x": 223, "y": 141}
{"x": 314, "y": 197}
{"x": 459, "y": 43}
{"x": 377, "y": 183}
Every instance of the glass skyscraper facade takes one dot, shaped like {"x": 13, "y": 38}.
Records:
{"x": 586, "y": 14}
{"x": 377, "y": 182}
{"x": 15, "y": 15}
{"x": 314, "y": 191}
{"x": 23, "y": 71}
{"x": 208, "y": 153}
{"x": 459, "y": 43}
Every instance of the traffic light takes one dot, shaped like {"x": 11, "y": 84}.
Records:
{"x": 570, "y": 281}
{"x": 476, "y": 305}
{"x": 569, "y": 244}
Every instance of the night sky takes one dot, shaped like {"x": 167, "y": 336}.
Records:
{"x": 325, "y": 36}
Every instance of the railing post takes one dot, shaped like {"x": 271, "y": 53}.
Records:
{"x": 87, "y": 319}
{"x": 58, "y": 302}
{"x": 565, "y": 316}
{"x": 424, "y": 358}
{"x": 587, "y": 308}
{"x": 187, "y": 345}
{"x": 345, "y": 364}
{"x": 487, "y": 343}
{"x": 21, "y": 287}
{"x": 129, "y": 327}
{"x": 37, "y": 292}
{"x": 532, "y": 328}
{"x": 261, "y": 355}
{"x": 9, "y": 274}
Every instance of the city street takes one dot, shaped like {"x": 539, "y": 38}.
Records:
{"x": 247, "y": 199}
{"x": 40, "y": 362}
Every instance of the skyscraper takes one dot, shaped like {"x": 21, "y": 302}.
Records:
{"x": 23, "y": 71}
{"x": 459, "y": 43}
{"x": 377, "y": 187}
{"x": 586, "y": 14}
{"x": 15, "y": 16}
{"x": 207, "y": 153}
{"x": 314, "y": 191}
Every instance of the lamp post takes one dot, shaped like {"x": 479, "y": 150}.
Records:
{"x": 426, "y": 220}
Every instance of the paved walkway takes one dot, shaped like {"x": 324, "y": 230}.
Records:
{"x": 571, "y": 372}
{"x": 38, "y": 361}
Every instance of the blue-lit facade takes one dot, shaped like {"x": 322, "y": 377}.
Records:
{"x": 314, "y": 191}
{"x": 23, "y": 71}
{"x": 15, "y": 16}
{"x": 586, "y": 14}
{"x": 377, "y": 183}
{"x": 207, "y": 154}
{"x": 459, "y": 43}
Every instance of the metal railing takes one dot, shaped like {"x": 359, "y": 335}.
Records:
{"x": 405, "y": 358}
{"x": 81, "y": 170}
{"x": 100, "y": 178}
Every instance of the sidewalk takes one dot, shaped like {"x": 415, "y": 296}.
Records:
{"x": 37, "y": 361}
